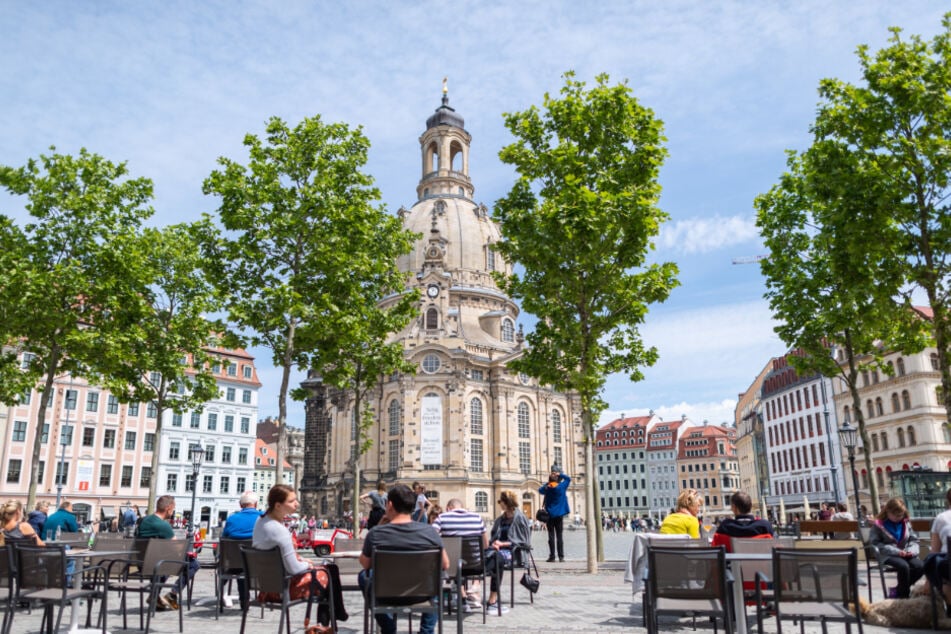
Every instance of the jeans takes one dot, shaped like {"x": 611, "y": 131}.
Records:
{"x": 387, "y": 623}
{"x": 182, "y": 582}
{"x": 555, "y": 528}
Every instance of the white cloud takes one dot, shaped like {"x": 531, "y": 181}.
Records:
{"x": 702, "y": 235}
{"x": 715, "y": 413}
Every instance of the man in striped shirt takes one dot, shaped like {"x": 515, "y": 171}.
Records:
{"x": 456, "y": 521}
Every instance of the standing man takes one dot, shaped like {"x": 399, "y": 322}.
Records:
{"x": 458, "y": 522}
{"x": 399, "y": 532}
{"x": 240, "y": 525}
{"x": 556, "y": 503}
{"x": 62, "y": 520}
{"x": 157, "y": 526}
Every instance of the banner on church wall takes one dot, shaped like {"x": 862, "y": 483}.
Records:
{"x": 430, "y": 445}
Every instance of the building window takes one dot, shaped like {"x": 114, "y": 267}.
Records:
{"x": 247, "y": 371}
{"x": 475, "y": 454}
{"x": 432, "y": 319}
{"x": 245, "y": 425}
{"x": 171, "y": 482}
{"x": 246, "y": 397}
{"x": 900, "y": 363}
{"x": 224, "y": 485}
{"x": 189, "y": 483}
{"x": 241, "y": 485}
{"x": 174, "y": 450}
{"x": 210, "y": 453}
{"x": 151, "y": 410}
{"x": 89, "y": 436}
{"x": 13, "y": 470}
{"x": 232, "y": 369}
{"x": 896, "y": 403}
{"x": 556, "y": 426}
{"x": 912, "y": 441}
{"x": 901, "y": 437}
{"x": 208, "y": 482}
{"x": 431, "y": 363}
{"x": 71, "y": 396}
{"x": 242, "y": 455}
{"x": 145, "y": 477}
{"x": 393, "y": 413}
{"x": 508, "y": 330}
{"x": 19, "y": 431}
{"x": 133, "y": 409}
{"x": 884, "y": 441}
{"x": 92, "y": 402}
{"x": 226, "y": 455}
{"x": 195, "y": 421}
{"x": 934, "y": 361}
{"x": 130, "y": 440}
{"x": 176, "y": 419}
{"x": 481, "y": 502}
{"x": 229, "y": 394}
{"x": 212, "y": 421}
{"x": 105, "y": 475}
{"x": 475, "y": 416}
{"x": 525, "y": 457}
{"x": 66, "y": 435}
{"x": 523, "y": 420}
{"x": 905, "y": 399}
{"x": 229, "y": 423}
{"x": 393, "y": 455}
{"x": 489, "y": 259}
{"x": 109, "y": 439}
{"x": 112, "y": 405}
{"x": 879, "y": 409}
{"x": 149, "y": 442}
{"x": 126, "y": 479}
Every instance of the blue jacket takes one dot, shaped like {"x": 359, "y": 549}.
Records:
{"x": 240, "y": 525}
{"x": 556, "y": 498}
{"x": 60, "y": 519}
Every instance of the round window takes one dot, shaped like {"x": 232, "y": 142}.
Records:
{"x": 431, "y": 363}
{"x": 523, "y": 378}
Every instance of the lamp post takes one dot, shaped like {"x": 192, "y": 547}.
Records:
{"x": 849, "y": 437}
{"x": 196, "y": 454}
{"x": 63, "y": 441}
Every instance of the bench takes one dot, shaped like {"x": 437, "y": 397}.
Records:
{"x": 827, "y": 526}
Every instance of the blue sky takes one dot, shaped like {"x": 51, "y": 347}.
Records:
{"x": 171, "y": 86}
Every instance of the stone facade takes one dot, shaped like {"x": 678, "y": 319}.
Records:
{"x": 464, "y": 425}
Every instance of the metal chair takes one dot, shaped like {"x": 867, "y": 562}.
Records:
{"x": 687, "y": 581}
{"x": 42, "y": 579}
{"x": 937, "y": 596}
{"x": 265, "y": 574}
{"x": 522, "y": 559}
{"x": 404, "y": 582}
{"x": 471, "y": 565}
{"x": 348, "y": 567}
{"x": 163, "y": 558}
{"x": 7, "y": 587}
{"x": 814, "y": 584}
{"x": 229, "y": 566}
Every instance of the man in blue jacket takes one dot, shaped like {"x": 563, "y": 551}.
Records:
{"x": 556, "y": 503}
{"x": 63, "y": 519}
{"x": 240, "y": 525}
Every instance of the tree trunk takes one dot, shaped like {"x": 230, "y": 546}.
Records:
{"x": 593, "y": 523}
{"x": 51, "y": 370}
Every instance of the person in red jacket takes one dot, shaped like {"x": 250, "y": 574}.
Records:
{"x": 742, "y": 524}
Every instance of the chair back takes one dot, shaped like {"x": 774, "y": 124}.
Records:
{"x": 472, "y": 556}
{"x": 453, "y": 547}
{"x": 112, "y": 542}
{"x": 746, "y": 545}
{"x": 343, "y": 544}
{"x": 406, "y": 577}
{"x": 40, "y": 567}
{"x": 73, "y": 538}
{"x": 164, "y": 557}
{"x": 264, "y": 570}
{"x": 229, "y": 555}
{"x": 687, "y": 573}
{"x": 815, "y": 575}
{"x": 7, "y": 568}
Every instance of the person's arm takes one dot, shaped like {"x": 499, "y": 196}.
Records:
{"x": 445, "y": 560}
{"x": 485, "y": 539}
{"x": 911, "y": 544}
{"x": 28, "y": 531}
{"x": 565, "y": 479}
{"x": 365, "y": 559}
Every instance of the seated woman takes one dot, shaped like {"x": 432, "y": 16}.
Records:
{"x": 14, "y": 526}
{"x": 510, "y": 531}
{"x": 936, "y": 568}
{"x": 684, "y": 520}
{"x": 892, "y": 534}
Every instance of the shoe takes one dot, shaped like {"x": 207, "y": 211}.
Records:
{"x": 172, "y": 599}
{"x": 893, "y": 592}
{"x": 561, "y": 559}
{"x": 550, "y": 559}
{"x": 493, "y": 608}
{"x": 468, "y": 607}
{"x": 162, "y": 605}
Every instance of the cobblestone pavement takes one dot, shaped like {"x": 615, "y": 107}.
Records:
{"x": 570, "y": 600}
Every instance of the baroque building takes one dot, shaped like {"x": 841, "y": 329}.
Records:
{"x": 464, "y": 424}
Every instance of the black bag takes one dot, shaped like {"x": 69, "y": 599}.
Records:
{"x": 530, "y": 582}
{"x": 542, "y": 516}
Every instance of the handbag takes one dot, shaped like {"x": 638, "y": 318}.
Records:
{"x": 530, "y": 582}
{"x": 542, "y": 516}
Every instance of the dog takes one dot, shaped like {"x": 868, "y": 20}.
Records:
{"x": 913, "y": 612}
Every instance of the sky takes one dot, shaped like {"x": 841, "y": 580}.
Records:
{"x": 168, "y": 87}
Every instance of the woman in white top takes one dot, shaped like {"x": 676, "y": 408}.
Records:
{"x": 936, "y": 568}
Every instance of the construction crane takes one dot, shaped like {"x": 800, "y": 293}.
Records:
{"x": 749, "y": 259}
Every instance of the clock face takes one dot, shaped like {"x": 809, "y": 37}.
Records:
{"x": 432, "y": 291}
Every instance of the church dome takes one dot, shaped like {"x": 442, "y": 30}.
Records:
{"x": 445, "y": 115}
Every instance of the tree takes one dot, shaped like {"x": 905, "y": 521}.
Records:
{"x": 587, "y": 182}
{"x": 71, "y": 287}
{"x": 895, "y": 130}
{"x": 169, "y": 354}
{"x": 831, "y": 280}
{"x": 304, "y": 242}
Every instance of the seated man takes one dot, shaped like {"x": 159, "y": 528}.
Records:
{"x": 743, "y": 524}
{"x": 399, "y": 532}
{"x": 240, "y": 525}
{"x": 62, "y": 520}
{"x": 157, "y": 526}
{"x": 458, "y": 522}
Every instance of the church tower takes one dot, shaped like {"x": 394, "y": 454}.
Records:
{"x": 464, "y": 425}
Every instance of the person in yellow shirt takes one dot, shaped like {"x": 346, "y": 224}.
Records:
{"x": 684, "y": 520}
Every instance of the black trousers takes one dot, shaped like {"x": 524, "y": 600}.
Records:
{"x": 556, "y": 527}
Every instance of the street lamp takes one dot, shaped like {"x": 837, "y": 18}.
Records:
{"x": 849, "y": 438}
{"x": 63, "y": 442}
{"x": 197, "y": 455}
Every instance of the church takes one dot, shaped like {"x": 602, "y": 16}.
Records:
{"x": 464, "y": 425}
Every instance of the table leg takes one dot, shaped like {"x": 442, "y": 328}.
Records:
{"x": 739, "y": 605}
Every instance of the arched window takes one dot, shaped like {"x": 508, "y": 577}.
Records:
{"x": 870, "y": 408}
{"x": 874, "y": 376}
{"x": 879, "y": 409}
{"x": 912, "y": 441}
{"x": 481, "y": 502}
{"x": 432, "y": 319}
{"x": 489, "y": 258}
{"x": 900, "y": 363}
{"x": 874, "y": 442}
{"x": 394, "y": 415}
{"x": 884, "y": 441}
{"x": 508, "y": 330}
{"x": 475, "y": 416}
{"x": 523, "y": 420}
{"x": 891, "y": 368}
{"x": 556, "y": 425}
{"x": 905, "y": 399}
{"x": 896, "y": 402}
{"x": 901, "y": 437}
{"x": 880, "y": 477}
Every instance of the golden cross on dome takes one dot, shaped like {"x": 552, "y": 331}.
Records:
{"x": 445, "y": 85}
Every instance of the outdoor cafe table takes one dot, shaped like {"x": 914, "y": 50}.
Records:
{"x": 82, "y": 556}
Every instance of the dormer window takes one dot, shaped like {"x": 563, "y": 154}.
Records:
{"x": 508, "y": 330}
